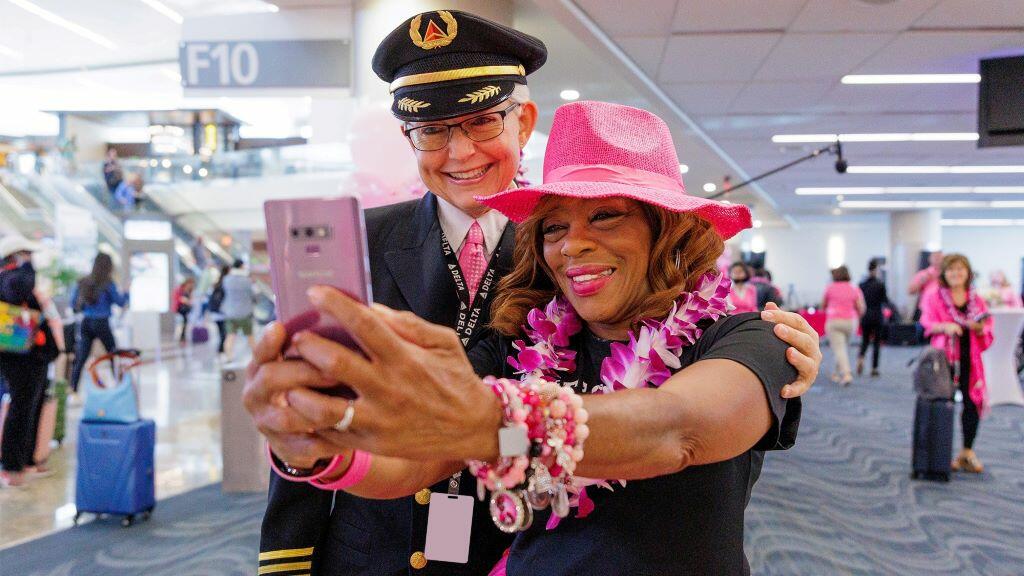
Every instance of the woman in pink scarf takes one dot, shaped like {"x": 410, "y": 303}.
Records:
{"x": 957, "y": 320}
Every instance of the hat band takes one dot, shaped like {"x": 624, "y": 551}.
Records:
{"x": 614, "y": 174}
{"x": 456, "y": 74}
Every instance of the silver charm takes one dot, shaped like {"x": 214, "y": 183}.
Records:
{"x": 538, "y": 492}
{"x": 509, "y": 511}
{"x": 560, "y": 502}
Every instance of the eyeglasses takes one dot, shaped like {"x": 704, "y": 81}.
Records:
{"x": 480, "y": 128}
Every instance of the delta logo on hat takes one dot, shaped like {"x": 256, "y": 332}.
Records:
{"x": 434, "y": 37}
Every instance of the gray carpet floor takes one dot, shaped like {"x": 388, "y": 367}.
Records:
{"x": 840, "y": 502}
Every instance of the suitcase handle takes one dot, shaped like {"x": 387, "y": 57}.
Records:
{"x": 132, "y": 354}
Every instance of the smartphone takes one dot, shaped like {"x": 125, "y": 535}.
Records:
{"x": 316, "y": 241}
{"x": 982, "y": 317}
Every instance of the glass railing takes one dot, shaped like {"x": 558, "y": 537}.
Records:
{"x": 255, "y": 163}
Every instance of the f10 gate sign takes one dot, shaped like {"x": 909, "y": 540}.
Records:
{"x": 266, "y": 64}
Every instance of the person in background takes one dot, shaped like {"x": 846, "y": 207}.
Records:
{"x": 872, "y": 323}
{"x": 127, "y": 193}
{"x": 743, "y": 294}
{"x": 93, "y": 296}
{"x": 766, "y": 291}
{"x": 957, "y": 321}
{"x": 843, "y": 304}
{"x": 181, "y": 303}
{"x": 112, "y": 173}
{"x": 925, "y": 281}
{"x": 201, "y": 253}
{"x": 215, "y": 304}
{"x": 204, "y": 287}
{"x": 1002, "y": 293}
{"x": 25, "y": 374}
{"x": 237, "y": 306}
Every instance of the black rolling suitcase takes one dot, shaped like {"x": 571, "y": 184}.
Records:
{"x": 933, "y": 439}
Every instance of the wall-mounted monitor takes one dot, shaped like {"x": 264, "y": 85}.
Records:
{"x": 1001, "y": 102}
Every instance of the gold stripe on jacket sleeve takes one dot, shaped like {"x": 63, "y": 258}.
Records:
{"x": 290, "y": 553}
{"x": 286, "y": 567}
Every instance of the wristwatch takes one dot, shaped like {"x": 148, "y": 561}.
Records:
{"x": 318, "y": 467}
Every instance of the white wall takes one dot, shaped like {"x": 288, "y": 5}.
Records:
{"x": 988, "y": 249}
{"x": 799, "y": 256}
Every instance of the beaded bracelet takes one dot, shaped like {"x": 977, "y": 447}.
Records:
{"x": 540, "y": 474}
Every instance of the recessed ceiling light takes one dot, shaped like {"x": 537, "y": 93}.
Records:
{"x": 187, "y": 168}
{"x": 911, "y": 79}
{"x": 683, "y": 168}
{"x": 875, "y": 190}
{"x": 164, "y": 9}
{"x": 569, "y": 95}
{"x": 64, "y": 23}
{"x": 935, "y": 170}
{"x": 880, "y": 137}
{"x": 710, "y": 187}
{"x": 836, "y": 211}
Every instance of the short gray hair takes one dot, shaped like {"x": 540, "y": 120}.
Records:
{"x": 520, "y": 94}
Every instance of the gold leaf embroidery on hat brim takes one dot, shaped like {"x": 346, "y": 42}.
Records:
{"x": 481, "y": 94}
{"x": 451, "y": 30}
{"x": 410, "y": 105}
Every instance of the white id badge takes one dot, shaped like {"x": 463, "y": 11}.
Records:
{"x": 449, "y": 522}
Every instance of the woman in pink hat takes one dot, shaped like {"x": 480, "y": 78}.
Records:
{"x": 625, "y": 412}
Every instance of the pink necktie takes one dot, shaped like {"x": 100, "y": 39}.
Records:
{"x": 472, "y": 259}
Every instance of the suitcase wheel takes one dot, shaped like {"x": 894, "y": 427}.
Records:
{"x": 77, "y": 516}
{"x": 147, "y": 514}
{"x": 915, "y": 475}
{"x": 127, "y": 521}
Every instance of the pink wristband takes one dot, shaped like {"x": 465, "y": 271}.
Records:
{"x": 354, "y": 475}
{"x": 335, "y": 462}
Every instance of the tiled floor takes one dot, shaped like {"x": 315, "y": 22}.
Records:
{"x": 181, "y": 392}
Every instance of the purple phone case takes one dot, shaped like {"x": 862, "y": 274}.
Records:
{"x": 316, "y": 241}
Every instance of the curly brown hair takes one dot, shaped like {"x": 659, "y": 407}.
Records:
{"x": 951, "y": 259}
{"x": 684, "y": 248}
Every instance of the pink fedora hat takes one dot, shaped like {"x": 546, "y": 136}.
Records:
{"x": 601, "y": 150}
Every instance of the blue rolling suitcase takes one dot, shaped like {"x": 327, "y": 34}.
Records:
{"x": 933, "y": 439}
{"x": 115, "y": 469}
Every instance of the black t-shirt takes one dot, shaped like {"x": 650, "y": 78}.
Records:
{"x": 690, "y": 522}
{"x": 965, "y": 355}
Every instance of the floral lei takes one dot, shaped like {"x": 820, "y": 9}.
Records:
{"x": 646, "y": 361}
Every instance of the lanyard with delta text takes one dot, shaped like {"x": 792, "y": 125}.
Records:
{"x": 469, "y": 315}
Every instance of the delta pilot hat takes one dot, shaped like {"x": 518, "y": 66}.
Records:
{"x": 449, "y": 63}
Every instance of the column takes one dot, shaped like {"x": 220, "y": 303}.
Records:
{"x": 910, "y": 234}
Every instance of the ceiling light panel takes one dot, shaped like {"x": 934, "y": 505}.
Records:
{"x": 164, "y": 9}
{"x": 877, "y": 190}
{"x": 917, "y": 205}
{"x": 911, "y": 79}
{"x": 935, "y": 170}
{"x": 879, "y": 137}
{"x": 64, "y": 23}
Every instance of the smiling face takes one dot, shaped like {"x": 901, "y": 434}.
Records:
{"x": 956, "y": 275}
{"x": 465, "y": 168}
{"x": 598, "y": 253}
